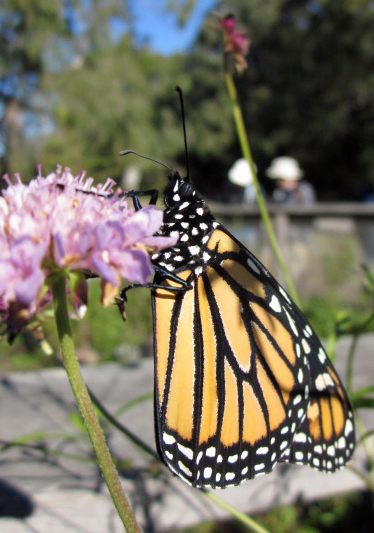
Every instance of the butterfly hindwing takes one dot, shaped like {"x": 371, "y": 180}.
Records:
{"x": 325, "y": 439}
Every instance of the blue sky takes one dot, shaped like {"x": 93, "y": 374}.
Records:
{"x": 160, "y": 29}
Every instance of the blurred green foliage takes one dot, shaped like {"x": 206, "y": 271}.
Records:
{"x": 102, "y": 334}
{"x": 341, "y": 514}
{"x": 110, "y": 339}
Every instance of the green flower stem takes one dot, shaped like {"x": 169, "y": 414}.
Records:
{"x": 82, "y": 398}
{"x": 244, "y": 144}
{"x": 247, "y": 521}
{"x": 367, "y": 445}
{"x": 369, "y": 484}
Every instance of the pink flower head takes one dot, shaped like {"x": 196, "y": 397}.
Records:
{"x": 61, "y": 225}
{"x": 236, "y": 43}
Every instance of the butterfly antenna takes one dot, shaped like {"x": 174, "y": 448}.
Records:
{"x": 126, "y": 152}
{"x": 179, "y": 91}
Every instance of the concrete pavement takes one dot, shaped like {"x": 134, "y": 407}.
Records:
{"x": 58, "y": 488}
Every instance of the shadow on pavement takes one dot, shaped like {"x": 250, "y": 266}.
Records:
{"x": 13, "y": 502}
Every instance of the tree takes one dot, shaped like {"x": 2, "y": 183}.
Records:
{"x": 26, "y": 31}
{"x": 38, "y": 38}
{"x": 308, "y": 89}
{"x": 116, "y": 99}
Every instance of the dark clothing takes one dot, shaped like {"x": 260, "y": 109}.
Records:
{"x": 302, "y": 194}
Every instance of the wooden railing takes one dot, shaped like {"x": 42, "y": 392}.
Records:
{"x": 320, "y": 209}
{"x": 347, "y": 221}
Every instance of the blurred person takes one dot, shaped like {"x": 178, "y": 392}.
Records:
{"x": 240, "y": 174}
{"x": 290, "y": 187}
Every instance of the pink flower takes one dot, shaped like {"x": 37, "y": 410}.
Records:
{"x": 51, "y": 226}
{"x": 236, "y": 43}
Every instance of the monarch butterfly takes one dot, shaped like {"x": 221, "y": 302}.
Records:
{"x": 241, "y": 380}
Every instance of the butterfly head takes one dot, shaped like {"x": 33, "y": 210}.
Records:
{"x": 178, "y": 191}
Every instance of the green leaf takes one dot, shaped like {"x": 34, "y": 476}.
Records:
{"x": 363, "y": 403}
{"x": 77, "y": 421}
{"x": 364, "y": 437}
{"x": 361, "y": 392}
{"x": 140, "y": 399}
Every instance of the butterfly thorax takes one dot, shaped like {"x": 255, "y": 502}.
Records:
{"x": 187, "y": 217}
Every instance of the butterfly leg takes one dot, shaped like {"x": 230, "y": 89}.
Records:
{"x": 184, "y": 285}
{"x": 122, "y": 299}
{"x": 153, "y": 193}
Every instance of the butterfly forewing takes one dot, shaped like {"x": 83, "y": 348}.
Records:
{"x": 242, "y": 381}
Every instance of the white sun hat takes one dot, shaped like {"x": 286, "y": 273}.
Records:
{"x": 240, "y": 173}
{"x": 284, "y": 168}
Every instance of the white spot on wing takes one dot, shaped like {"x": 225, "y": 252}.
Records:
{"x": 331, "y": 451}
{"x": 211, "y": 452}
{"x": 323, "y": 381}
{"x": 168, "y": 439}
{"x": 306, "y": 346}
{"x": 283, "y": 292}
{"x": 184, "y": 469}
{"x": 253, "y": 266}
{"x": 321, "y": 355}
{"x": 186, "y": 451}
{"x": 207, "y": 472}
{"x": 275, "y": 305}
{"x": 348, "y": 428}
{"x": 194, "y": 250}
{"x": 297, "y": 399}
{"x": 262, "y": 451}
{"x": 292, "y": 324}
